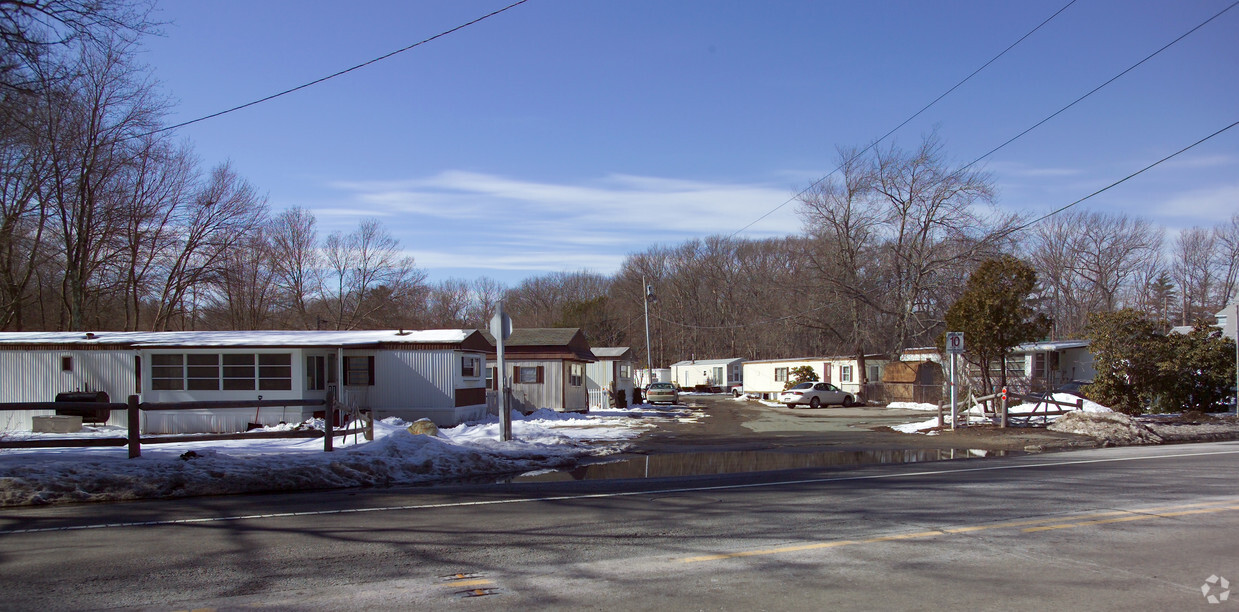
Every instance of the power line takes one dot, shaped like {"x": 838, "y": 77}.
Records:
{"x": 336, "y": 74}
{"x": 1022, "y": 227}
{"x": 905, "y": 121}
{"x": 1099, "y": 87}
{"x": 1124, "y": 179}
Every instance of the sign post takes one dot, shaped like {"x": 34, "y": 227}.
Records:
{"x": 501, "y": 329}
{"x": 954, "y": 346}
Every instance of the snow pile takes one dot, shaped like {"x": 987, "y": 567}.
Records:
{"x": 912, "y": 406}
{"x": 1111, "y": 428}
{"x": 543, "y": 440}
{"x": 1027, "y": 410}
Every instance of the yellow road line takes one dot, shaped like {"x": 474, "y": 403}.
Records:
{"x": 468, "y": 583}
{"x": 1097, "y": 518}
{"x": 1145, "y": 515}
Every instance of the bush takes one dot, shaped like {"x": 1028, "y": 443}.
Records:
{"x": 1139, "y": 368}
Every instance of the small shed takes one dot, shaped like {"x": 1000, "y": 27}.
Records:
{"x": 546, "y": 367}
{"x": 912, "y": 381}
{"x": 612, "y": 373}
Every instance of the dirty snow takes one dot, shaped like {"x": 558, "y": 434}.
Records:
{"x": 542, "y": 440}
{"x": 1112, "y": 428}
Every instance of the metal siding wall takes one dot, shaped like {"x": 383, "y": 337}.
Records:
{"x": 549, "y": 394}
{"x": 414, "y": 379}
{"x": 35, "y": 376}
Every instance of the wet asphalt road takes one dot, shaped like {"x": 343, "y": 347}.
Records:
{"x": 1103, "y": 529}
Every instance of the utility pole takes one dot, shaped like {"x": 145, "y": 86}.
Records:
{"x": 649, "y": 358}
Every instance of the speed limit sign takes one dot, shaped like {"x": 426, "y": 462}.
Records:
{"x": 955, "y": 342}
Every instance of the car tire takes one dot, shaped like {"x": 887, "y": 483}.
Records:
{"x": 815, "y": 403}
{"x": 791, "y": 406}
{"x": 847, "y": 401}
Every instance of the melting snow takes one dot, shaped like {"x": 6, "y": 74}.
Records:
{"x": 543, "y": 440}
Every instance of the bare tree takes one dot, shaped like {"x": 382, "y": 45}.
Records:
{"x": 33, "y": 33}
{"x": 1093, "y": 262}
{"x": 23, "y": 218}
{"x": 1227, "y": 243}
{"x": 158, "y": 183}
{"x": 1194, "y": 272}
{"x": 220, "y": 216}
{"x": 245, "y": 286}
{"x": 370, "y": 274}
{"x": 298, "y": 262}
{"x": 448, "y": 304}
{"x": 91, "y": 125}
{"x": 895, "y": 234}
{"x": 486, "y": 293}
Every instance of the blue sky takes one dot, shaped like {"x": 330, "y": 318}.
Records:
{"x": 565, "y": 135}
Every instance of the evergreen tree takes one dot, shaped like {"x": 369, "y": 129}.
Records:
{"x": 995, "y": 314}
{"x": 1127, "y": 349}
{"x": 798, "y": 375}
{"x": 1197, "y": 371}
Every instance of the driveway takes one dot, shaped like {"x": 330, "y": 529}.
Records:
{"x": 731, "y": 424}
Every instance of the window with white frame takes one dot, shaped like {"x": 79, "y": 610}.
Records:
{"x": 780, "y": 375}
{"x": 527, "y": 375}
{"x": 576, "y": 375}
{"x": 359, "y": 370}
{"x": 470, "y": 366}
{"x": 221, "y": 371}
{"x": 845, "y": 373}
{"x": 167, "y": 372}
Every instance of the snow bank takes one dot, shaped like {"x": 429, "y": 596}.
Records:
{"x": 1112, "y": 428}
{"x": 913, "y": 406}
{"x": 543, "y": 440}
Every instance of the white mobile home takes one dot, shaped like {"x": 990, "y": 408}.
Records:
{"x": 1044, "y": 366}
{"x": 611, "y": 373}
{"x": 768, "y": 377}
{"x": 439, "y": 374}
{"x": 643, "y": 377}
{"x": 709, "y": 374}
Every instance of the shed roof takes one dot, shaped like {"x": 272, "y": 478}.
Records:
{"x": 707, "y": 362}
{"x": 1053, "y": 345}
{"x": 545, "y": 342}
{"x": 611, "y": 352}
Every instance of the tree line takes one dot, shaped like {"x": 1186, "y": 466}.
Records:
{"x": 108, "y": 222}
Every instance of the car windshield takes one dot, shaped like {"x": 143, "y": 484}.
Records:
{"x": 662, "y": 386}
{"x": 804, "y": 385}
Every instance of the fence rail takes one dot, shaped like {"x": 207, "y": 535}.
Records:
{"x": 135, "y": 439}
{"x": 999, "y": 414}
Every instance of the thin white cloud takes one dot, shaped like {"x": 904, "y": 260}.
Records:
{"x": 470, "y": 220}
{"x": 1206, "y": 205}
{"x": 618, "y": 201}
{"x": 1021, "y": 170}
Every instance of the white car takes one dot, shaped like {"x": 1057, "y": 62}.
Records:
{"x": 815, "y": 394}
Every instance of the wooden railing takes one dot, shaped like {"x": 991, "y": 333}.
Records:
{"x": 134, "y": 440}
{"x": 996, "y": 405}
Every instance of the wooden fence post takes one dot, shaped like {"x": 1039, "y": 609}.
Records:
{"x": 135, "y": 428}
{"x": 370, "y": 425}
{"x": 330, "y": 413}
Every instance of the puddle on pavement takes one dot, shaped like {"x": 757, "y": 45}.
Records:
{"x": 736, "y": 462}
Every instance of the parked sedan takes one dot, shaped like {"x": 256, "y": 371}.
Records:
{"x": 815, "y": 394}
{"x": 662, "y": 393}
